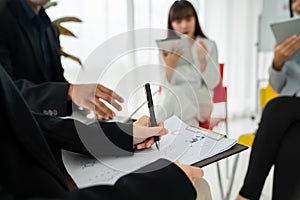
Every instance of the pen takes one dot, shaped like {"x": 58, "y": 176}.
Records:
{"x": 151, "y": 111}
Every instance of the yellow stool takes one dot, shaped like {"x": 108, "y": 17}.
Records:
{"x": 246, "y": 139}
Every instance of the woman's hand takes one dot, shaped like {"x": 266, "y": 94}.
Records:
{"x": 143, "y": 133}
{"x": 170, "y": 59}
{"x": 190, "y": 171}
{"x": 285, "y": 50}
{"x": 202, "y": 53}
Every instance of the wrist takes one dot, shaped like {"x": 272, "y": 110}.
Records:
{"x": 70, "y": 92}
{"x": 277, "y": 66}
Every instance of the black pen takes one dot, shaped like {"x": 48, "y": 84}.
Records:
{"x": 151, "y": 111}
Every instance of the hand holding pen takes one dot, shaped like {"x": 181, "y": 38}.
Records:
{"x": 153, "y": 122}
{"x": 143, "y": 132}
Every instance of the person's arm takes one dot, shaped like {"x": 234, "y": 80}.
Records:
{"x": 170, "y": 59}
{"x": 282, "y": 53}
{"x": 159, "y": 180}
{"x": 48, "y": 98}
{"x": 277, "y": 79}
{"x": 210, "y": 72}
{"x": 100, "y": 138}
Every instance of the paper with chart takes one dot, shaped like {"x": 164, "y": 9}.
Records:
{"x": 183, "y": 143}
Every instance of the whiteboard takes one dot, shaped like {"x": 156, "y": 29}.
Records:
{"x": 272, "y": 11}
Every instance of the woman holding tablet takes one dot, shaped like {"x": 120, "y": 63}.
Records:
{"x": 189, "y": 80}
{"x": 278, "y": 136}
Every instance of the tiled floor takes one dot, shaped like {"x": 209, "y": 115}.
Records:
{"x": 236, "y": 128}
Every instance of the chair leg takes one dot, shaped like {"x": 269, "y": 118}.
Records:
{"x": 220, "y": 181}
{"x": 227, "y": 168}
{"x": 227, "y": 135}
{"x": 233, "y": 176}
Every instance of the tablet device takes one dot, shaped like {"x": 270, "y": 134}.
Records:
{"x": 285, "y": 29}
{"x": 182, "y": 42}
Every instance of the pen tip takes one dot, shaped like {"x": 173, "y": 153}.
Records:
{"x": 156, "y": 144}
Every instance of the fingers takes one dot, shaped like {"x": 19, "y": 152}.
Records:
{"x": 196, "y": 172}
{"x": 190, "y": 171}
{"x": 285, "y": 50}
{"x": 201, "y": 42}
{"x": 143, "y": 121}
{"x": 160, "y": 123}
{"x": 108, "y": 99}
{"x": 110, "y": 93}
{"x": 101, "y": 109}
{"x": 109, "y": 96}
{"x": 146, "y": 144}
{"x": 156, "y": 131}
{"x": 289, "y": 46}
{"x": 176, "y": 51}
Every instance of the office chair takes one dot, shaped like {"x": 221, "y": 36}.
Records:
{"x": 266, "y": 94}
{"x": 220, "y": 97}
{"x": 219, "y": 101}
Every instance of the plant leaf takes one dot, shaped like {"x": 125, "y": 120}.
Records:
{"x": 50, "y": 4}
{"x": 76, "y": 59}
{"x": 67, "y": 19}
{"x": 64, "y": 31}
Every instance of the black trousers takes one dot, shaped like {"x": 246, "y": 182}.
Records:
{"x": 277, "y": 142}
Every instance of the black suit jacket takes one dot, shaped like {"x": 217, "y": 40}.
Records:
{"x": 22, "y": 60}
{"x": 28, "y": 168}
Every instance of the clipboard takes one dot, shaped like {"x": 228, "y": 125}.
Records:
{"x": 183, "y": 42}
{"x": 285, "y": 29}
{"x": 237, "y": 148}
{"x": 206, "y": 133}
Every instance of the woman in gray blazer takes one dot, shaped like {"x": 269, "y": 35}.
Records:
{"x": 277, "y": 138}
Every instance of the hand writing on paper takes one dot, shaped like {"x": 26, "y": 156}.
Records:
{"x": 88, "y": 95}
{"x": 143, "y": 133}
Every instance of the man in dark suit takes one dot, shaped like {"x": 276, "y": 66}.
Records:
{"x": 30, "y": 53}
{"x": 28, "y": 169}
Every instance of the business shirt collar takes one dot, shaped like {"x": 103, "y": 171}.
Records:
{"x": 45, "y": 20}
{"x": 28, "y": 10}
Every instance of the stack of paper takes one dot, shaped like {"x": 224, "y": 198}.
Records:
{"x": 186, "y": 144}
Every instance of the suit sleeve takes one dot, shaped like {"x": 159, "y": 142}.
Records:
{"x": 163, "y": 180}
{"x": 50, "y": 97}
{"x": 98, "y": 139}
{"x": 159, "y": 180}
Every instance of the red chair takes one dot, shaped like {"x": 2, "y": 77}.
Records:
{"x": 220, "y": 97}
{"x": 220, "y": 100}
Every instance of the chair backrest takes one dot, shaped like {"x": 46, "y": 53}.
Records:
{"x": 220, "y": 92}
{"x": 266, "y": 94}
{"x": 220, "y": 103}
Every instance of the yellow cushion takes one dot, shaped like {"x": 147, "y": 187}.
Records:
{"x": 266, "y": 94}
{"x": 246, "y": 139}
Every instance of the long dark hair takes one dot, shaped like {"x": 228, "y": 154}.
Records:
{"x": 291, "y": 10}
{"x": 183, "y": 9}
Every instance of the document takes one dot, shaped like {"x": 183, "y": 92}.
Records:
{"x": 186, "y": 144}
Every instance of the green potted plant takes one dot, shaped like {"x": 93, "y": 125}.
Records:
{"x": 64, "y": 31}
